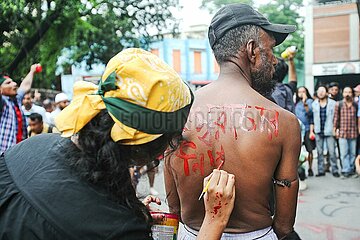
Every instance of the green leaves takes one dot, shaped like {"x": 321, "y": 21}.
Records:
{"x": 287, "y": 12}
{"x": 91, "y": 30}
{"x": 280, "y": 11}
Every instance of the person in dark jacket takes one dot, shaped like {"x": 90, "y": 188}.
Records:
{"x": 284, "y": 92}
{"x": 78, "y": 185}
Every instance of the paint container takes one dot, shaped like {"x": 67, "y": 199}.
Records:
{"x": 165, "y": 225}
{"x": 288, "y": 51}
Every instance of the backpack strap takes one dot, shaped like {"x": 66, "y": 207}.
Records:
{"x": 50, "y": 129}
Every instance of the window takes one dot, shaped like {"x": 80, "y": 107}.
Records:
{"x": 197, "y": 62}
{"x": 177, "y": 60}
{"x": 155, "y": 51}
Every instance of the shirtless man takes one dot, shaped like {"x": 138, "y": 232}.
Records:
{"x": 231, "y": 121}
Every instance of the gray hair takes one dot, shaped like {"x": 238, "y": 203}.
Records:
{"x": 235, "y": 39}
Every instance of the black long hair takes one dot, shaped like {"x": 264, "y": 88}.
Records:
{"x": 307, "y": 94}
{"x": 105, "y": 163}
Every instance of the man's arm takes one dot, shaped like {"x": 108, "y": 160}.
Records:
{"x": 27, "y": 81}
{"x": 286, "y": 197}
{"x": 170, "y": 187}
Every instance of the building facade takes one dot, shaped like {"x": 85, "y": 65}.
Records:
{"x": 191, "y": 58}
{"x": 332, "y": 47}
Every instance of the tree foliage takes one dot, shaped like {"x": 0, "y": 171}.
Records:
{"x": 87, "y": 30}
{"x": 280, "y": 11}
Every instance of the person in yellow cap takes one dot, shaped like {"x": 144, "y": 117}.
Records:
{"x": 78, "y": 185}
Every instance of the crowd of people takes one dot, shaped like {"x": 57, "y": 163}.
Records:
{"x": 329, "y": 122}
{"x": 77, "y": 182}
{"x": 23, "y": 114}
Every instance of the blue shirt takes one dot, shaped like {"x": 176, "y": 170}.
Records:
{"x": 302, "y": 115}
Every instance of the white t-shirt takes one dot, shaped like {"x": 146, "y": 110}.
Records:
{"x": 35, "y": 109}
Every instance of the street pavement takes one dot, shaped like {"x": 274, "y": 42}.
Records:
{"x": 329, "y": 209}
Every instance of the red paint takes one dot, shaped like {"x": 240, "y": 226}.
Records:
{"x": 217, "y": 208}
{"x": 212, "y": 160}
{"x": 221, "y": 121}
{"x": 235, "y": 134}
{"x": 221, "y": 195}
{"x": 253, "y": 128}
{"x": 186, "y": 157}
{"x": 198, "y": 128}
{"x": 206, "y": 139}
{"x": 220, "y": 155}
{"x": 199, "y": 166}
{"x": 226, "y": 204}
{"x": 261, "y": 110}
{"x": 275, "y": 123}
{"x": 217, "y": 135}
{"x": 217, "y": 195}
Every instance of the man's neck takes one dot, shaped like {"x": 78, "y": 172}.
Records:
{"x": 232, "y": 71}
{"x": 348, "y": 102}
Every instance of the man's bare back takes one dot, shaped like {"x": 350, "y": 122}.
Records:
{"x": 256, "y": 139}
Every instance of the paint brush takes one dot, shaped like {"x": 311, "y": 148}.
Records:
{"x": 208, "y": 183}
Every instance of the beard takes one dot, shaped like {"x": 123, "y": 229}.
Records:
{"x": 348, "y": 98}
{"x": 262, "y": 78}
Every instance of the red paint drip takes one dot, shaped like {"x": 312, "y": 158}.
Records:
{"x": 253, "y": 128}
{"x": 216, "y": 208}
{"x": 217, "y": 135}
{"x": 235, "y": 134}
{"x": 211, "y": 157}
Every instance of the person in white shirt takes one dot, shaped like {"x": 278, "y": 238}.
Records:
{"x": 61, "y": 101}
{"x": 29, "y": 107}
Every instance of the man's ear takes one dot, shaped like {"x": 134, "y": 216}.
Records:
{"x": 250, "y": 50}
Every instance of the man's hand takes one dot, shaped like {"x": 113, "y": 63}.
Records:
{"x": 33, "y": 68}
{"x": 312, "y": 135}
{"x": 219, "y": 202}
{"x": 220, "y": 197}
{"x": 151, "y": 199}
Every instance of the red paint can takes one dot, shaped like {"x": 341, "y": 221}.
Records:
{"x": 165, "y": 225}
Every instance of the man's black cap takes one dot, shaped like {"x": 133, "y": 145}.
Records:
{"x": 238, "y": 14}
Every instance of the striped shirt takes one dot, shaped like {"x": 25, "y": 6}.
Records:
{"x": 9, "y": 122}
{"x": 348, "y": 125}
